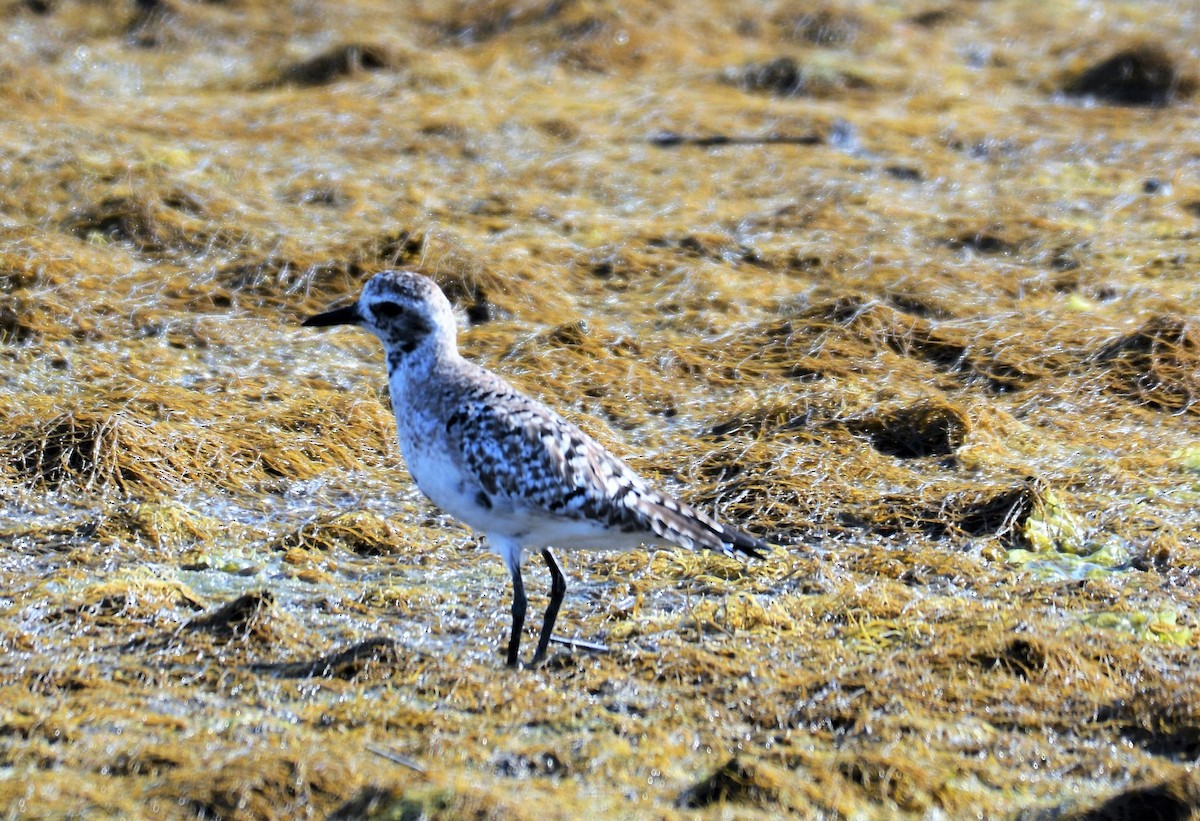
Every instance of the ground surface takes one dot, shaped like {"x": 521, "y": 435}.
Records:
{"x": 907, "y": 288}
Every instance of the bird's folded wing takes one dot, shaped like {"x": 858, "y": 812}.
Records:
{"x": 520, "y": 450}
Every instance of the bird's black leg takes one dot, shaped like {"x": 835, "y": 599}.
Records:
{"x": 518, "y": 613}
{"x": 558, "y": 589}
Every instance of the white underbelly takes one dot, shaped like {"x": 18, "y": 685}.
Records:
{"x": 583, "y": 535}
{"x": 462, "y": 497}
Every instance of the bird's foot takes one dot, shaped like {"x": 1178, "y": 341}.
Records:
{"x": 540, "y": 657}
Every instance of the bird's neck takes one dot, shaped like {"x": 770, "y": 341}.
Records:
{"x": 412, "y": 373}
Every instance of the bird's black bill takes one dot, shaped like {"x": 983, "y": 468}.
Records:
{"x": 339, "y": 316}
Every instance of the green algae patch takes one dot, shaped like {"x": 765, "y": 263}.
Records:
{"x": 1188, "y": 458}
{"x": 1088, "y": 561}
{"x": 1162, "y": 626}
{"x": 1061, "y": 546}
{"x": 1051, "y": 525}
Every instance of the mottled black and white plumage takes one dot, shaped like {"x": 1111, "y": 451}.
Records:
{"x": 506, "y": 464}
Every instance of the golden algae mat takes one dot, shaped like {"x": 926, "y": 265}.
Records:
{"x": 908, "y": 289}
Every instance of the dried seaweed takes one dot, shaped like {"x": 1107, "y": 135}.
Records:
{"x": 845, "y": 282}
{"x": 1141, "y": 75}
{"x": 1156, "y": 365}
{"x": 335, "y": 64}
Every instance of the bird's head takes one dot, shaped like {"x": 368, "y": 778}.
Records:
{"x": 404, "y": 309}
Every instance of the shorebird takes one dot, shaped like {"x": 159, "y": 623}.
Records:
{"x": 506, "y": 464}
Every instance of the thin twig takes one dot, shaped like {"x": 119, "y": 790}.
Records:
{"x": 396, "y": 758}
{"x": 580, "y": 644}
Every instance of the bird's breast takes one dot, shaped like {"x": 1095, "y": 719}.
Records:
{"x": 439, "y": 476}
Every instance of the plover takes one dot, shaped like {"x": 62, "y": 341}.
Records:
{"x": 506, "y": 464}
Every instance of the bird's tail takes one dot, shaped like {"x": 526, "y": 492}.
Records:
{"x": 685, "y": 525}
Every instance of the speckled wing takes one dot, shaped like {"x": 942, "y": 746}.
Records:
{"x": 520, "y": 450}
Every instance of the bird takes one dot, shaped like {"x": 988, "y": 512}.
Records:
{"x": 506, "y": 464}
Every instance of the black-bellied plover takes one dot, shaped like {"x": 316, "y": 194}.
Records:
{"x": 504, "y": 463}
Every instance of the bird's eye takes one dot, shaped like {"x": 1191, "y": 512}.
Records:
{"x": 387, "y": 310}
